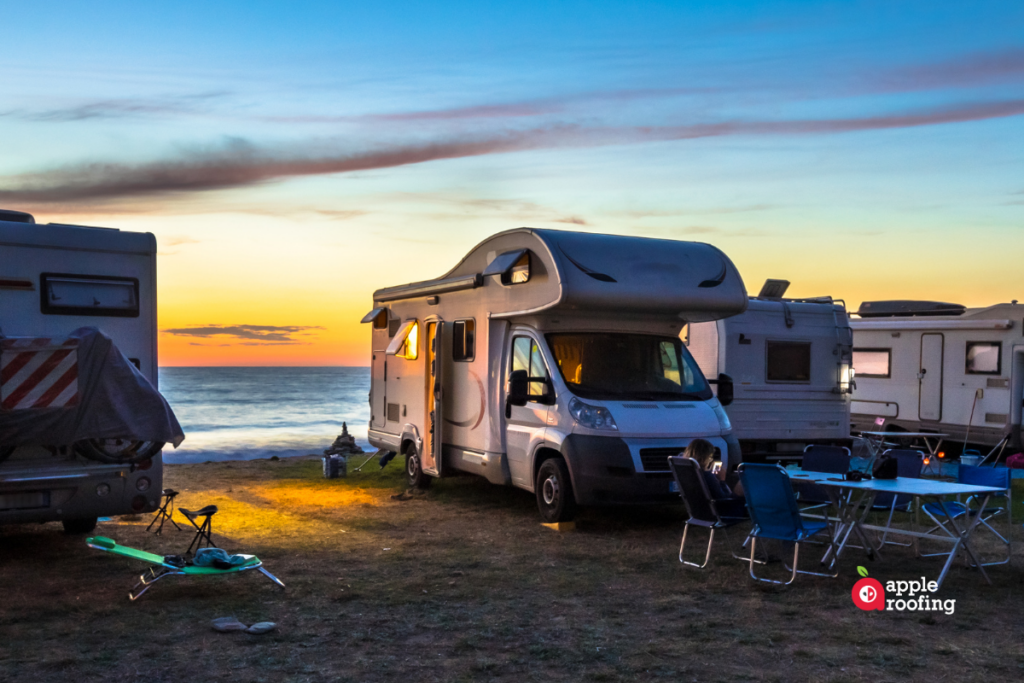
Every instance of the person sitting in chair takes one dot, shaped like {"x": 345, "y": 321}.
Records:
{"x": 729, "y": 502}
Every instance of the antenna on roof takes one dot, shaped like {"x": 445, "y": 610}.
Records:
{"x": 773, "y": 289}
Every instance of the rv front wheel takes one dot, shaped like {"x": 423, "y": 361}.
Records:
{"x": 555, "y": 498}
{"x": 414, "y": 475}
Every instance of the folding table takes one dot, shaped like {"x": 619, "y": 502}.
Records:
{"x": 853, "y": 501}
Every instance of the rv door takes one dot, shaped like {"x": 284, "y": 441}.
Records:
{"x": 930, "y": 377}
{"x": 527, "y": 420}
{"x": 435, "y": 398}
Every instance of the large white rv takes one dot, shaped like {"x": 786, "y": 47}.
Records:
{"x": 927, "y": 366}
{"x": 789, "y": 365}
{"x": 551, "y": 361}
{"x": 53, "y": 280}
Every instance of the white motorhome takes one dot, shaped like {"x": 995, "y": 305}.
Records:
{"x": 787, "y": 362}
{"x": 54, "y": 279}
{"x": 929, "y": 366}
{"x": 551, "y": 361}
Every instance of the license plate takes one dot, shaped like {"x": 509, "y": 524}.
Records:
{"x": 673, "y": 487}
{"x": 29, "y": 500}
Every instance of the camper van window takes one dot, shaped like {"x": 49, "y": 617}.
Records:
{"x": 410, "y": 346}
{"x": 984, "y": 358}
{"x": 519, "y": 272}
{"x": 64, "y": 294}
{"x": 637, "y": 367}
{"x": 464, "y": 340}
{"x": 873, "y": 362}
{"x": 527, "y": 356}
{"x": 789, "y": 361}
{"x": 381, "y": 320}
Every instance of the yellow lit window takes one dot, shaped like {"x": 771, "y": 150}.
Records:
{"x": 406, "y": 343}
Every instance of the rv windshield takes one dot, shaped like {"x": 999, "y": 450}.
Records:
{"x": 631, "y": 367}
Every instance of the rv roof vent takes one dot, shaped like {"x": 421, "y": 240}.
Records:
{"x": 16, "y": 216}
{"x": 773, "y": 289}
{"x": 894, "y": 309}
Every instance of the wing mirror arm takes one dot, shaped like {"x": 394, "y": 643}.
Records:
{"x": 725, "y": 388}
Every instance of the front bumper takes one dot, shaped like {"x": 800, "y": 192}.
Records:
{"x": 606, "y": 470}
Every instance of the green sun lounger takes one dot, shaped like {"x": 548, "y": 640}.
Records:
{"x": 162, "y": 568}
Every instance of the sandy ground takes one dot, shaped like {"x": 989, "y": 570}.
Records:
{"x": 462, "y": 583}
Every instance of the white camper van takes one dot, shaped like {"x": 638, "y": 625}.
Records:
{"x": 929, "y": 366}
{"x": 789, "y": 365}
{"x": 551, "y": 361}
{"x": 53, "y": 280}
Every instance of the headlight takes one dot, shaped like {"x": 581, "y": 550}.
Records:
{"x": 723, "y": 418}
{"x": 593, "y": 417}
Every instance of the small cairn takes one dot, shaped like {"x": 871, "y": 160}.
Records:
{"x": 335, "y": 464}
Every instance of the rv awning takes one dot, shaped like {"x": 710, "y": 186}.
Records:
{"x": 399, "y": 339}
{"x": 503, "y": 263}
{"x": 368, "y": 318}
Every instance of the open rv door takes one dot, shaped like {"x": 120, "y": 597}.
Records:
{"x": 437, "y": 332}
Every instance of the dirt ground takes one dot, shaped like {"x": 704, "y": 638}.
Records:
{"x": 463, "y": 583}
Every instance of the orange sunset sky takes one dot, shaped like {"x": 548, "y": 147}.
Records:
{"x": 292, "y": 162}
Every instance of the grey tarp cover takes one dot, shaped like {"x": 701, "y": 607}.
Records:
{"x": 115, "y": 401}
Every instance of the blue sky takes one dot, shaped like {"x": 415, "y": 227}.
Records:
{"x": 865, "y": 150}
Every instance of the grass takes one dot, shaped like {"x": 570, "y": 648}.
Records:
{"x": 463, "y": 584}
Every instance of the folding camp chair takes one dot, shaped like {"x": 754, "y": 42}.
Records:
{"x": 164, "y": 568}
{"x": 774, "y": 512}
{"x": 828, "y": 459}
{"x": 203, "y": 530}
{"x": 909, "y": 464}
{"x": 165, "y": 513}
{"x": 700, "y": 506}
{"x": 996, "y": 477}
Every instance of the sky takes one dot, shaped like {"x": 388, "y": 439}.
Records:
{"x": 291, "y": 158}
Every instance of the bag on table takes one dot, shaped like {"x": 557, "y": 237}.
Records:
{"x": 887, "y": 467}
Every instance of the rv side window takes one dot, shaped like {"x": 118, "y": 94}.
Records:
{"x": 381, "y": 320}
{"x": 519, "y": 272}
{"x": 789, "y": 361}
{"x": 873, "y": 362}
{"x": 984, "y": 358}
{"x": 464, "y": 340}
{"x": 526, "y": 356}
{"x": 406, "y": 343}
{"x": 64, "y": 294}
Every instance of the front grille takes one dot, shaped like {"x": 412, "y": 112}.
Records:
{"x": 656, "y": 459}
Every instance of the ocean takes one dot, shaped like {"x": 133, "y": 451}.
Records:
{"x": 250, "y": 413}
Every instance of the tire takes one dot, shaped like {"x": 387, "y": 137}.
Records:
{"x": 555, "y": 499}
{"x": 79, "y": 526}
{"x": 415, "y": 477}
{"x": 118, "y": 451}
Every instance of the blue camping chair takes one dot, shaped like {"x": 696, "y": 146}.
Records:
{"x": 909, "y": 464}
{"x": 996, "y": 477}
{"x": 774, "y": 512}
{"x": 828, "y": 459}
{"x": 700, "y": 506}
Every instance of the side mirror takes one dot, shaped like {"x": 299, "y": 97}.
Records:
{"x": 518, "y": 388}
{"x": 725, "y": 389}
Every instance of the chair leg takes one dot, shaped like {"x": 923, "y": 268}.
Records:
{"x": 133, "y": 594}
{"x": 752, "y": 562}
{"x": 271, "y": 576}
{"x": 707, "y": 553}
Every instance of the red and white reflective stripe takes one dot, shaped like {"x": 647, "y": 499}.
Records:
{"x": 38, "y": 373}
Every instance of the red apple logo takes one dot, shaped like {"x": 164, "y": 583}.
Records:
{"x": 868, "y": 594}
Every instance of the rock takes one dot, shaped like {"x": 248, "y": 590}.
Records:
{"x": 345, "y": 444}
{"x": 261, "y": 627}
{"x": 227, "y": 625}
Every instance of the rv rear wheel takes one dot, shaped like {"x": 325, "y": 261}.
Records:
{"x": 79, "y": 526}
{"x": 414, "y": 475}
{"x": 555, "y": 498}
